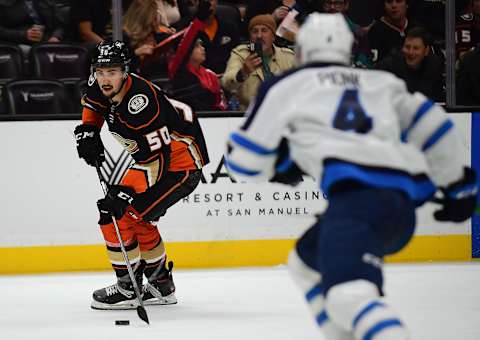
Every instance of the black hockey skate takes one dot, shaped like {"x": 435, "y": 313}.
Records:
{"x": 161, "y": 289}
{"x": 120, "y": 295}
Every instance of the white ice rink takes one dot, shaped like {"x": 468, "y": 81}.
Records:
{"x": 437, "y": 301}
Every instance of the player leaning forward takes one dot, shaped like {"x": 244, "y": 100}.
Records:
{"x": 164, "y": 138}
{"x": 378, "y": 152}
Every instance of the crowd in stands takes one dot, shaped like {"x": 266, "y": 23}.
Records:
{"x": 214, "y": 54}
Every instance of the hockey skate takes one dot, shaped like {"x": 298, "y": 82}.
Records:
{"x": 120, "y": 295}
{"x": 161, "y": 289}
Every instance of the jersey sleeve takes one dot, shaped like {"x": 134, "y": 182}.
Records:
{"x": 426, "y": 126}
{"x": 252, "y": 149}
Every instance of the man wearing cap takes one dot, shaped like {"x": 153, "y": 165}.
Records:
{"x": 248, "y": 66}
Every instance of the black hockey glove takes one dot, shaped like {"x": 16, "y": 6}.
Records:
{"x": 460, "y": 199}
{"x": 89, "y": 144}
{"x": 116, "y": 201}
{"x": 286, "y": 170}
{"x": 204, "y": 10}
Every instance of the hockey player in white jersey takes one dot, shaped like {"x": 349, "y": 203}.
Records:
{"x": 377, "y": 151}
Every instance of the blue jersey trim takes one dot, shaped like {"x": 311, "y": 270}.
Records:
{"x": 419, "y": 190}
{"x": 441, "y": 131}
{"x": 239, "y": 169}
{"x": 284, "y": 165}
{"x": 251, "y": 146}
{"x": 426, "y": 106}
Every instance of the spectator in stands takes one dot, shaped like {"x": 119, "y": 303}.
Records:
{"x": 168, "y": 12}
{"x": 420, "y": 70}
{"x": 464, "y": 27}
{"x": 365, "y": 12}
{"x": 431, "y": 14}
{"x": 90, "y": 20}
{"x": 387, "y": 34}
{"x": 219, "y": 38}
{"x": 468, "y": 78}
{"x": 140, "y": 24}
{"x": 246, "y": 69}
{"x": 193, "y": 83}
{"x": 28, "y": 22}
{"x": 361, "y": 53}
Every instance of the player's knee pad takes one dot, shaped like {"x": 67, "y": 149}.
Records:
{"x": 355, "y": 306}
{"x": 349, "y": 250}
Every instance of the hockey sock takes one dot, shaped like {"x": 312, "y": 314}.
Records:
{"x": 310, "y": 282}
{"x": 356, "y": 307}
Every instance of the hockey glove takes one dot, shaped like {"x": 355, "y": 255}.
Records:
{"x": 204, "y": 10}
{"x": 89, "y": 144}
{"x": 286, "y": 170}
{"x": 460, "y": 199}
{"x": 116, "y": 201}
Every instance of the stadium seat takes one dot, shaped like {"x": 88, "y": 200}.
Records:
{"x": 79, "y": 90}
{"x": 36, "y": 96}
{"x": 164, "y": 83}
{"x": 65, "y": 62}
{"x": 11, "y": 63}
{"x": 229, "y": 13}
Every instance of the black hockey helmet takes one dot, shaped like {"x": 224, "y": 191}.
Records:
{"x": 110, "y": 54}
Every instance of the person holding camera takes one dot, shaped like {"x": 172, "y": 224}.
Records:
{"x": 251, "y": 64}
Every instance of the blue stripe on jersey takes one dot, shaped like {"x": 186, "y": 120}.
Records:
{"x": 426, "y": 106}
{"x": 239, "y": 169}
{"x": 380, "y": 326}
{"x": 284, "y": 165}
{"x": 418, "y": 190}
{"x": 365, "y": 311}
{"x": 441, "y": 131}
{"x": 251, "y": 146}
{"x": 314, "y": 292}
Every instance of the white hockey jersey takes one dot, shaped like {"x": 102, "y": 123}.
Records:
{"x": 345, "y": 123}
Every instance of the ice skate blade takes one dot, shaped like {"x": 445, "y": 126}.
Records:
{"x": 164, "y": 300}
{"x": 124, "y": 305}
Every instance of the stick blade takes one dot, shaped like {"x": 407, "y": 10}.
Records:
{"x": 142, "y": 314}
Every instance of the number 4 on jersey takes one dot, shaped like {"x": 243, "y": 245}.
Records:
{"x": 350, "y": 115}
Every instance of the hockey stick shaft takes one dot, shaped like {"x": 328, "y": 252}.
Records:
{"x": 142, "y": 313}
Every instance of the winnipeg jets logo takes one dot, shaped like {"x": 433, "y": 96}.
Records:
{"x": 137, "y": 103}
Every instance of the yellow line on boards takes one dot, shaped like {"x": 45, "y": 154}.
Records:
{"x": 213, "y": 254}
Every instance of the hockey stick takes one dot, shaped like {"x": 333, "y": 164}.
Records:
{"x": 142, "y": 313}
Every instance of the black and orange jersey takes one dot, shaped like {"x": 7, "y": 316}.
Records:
{"x": 149, "y": 125}
{"x": 464, "y": 39}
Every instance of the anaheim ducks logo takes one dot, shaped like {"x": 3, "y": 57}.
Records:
{"x": 137, "y": 103}
{"x": 128, "y": 144}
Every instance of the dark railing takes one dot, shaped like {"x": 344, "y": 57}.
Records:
{"x": 78, "y": 116}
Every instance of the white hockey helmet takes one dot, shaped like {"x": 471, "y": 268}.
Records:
{"x": 324, "y": 38}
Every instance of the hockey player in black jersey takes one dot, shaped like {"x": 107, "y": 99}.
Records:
{"x": 165, "y": 140}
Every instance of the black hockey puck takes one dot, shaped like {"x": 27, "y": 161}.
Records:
{"x": 122, "y": 322}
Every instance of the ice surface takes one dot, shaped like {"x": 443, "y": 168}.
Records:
{"x": 437, "y": 301}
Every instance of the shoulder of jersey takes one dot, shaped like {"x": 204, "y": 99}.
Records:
{"x": 142, "y": 103}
